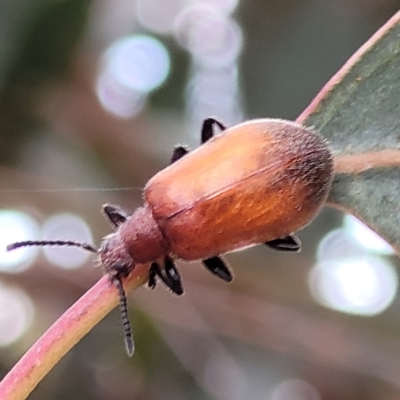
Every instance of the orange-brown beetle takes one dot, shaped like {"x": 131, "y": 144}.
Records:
{"x": 257, "y": 182}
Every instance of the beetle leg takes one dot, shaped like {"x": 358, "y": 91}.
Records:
{"x": 179, "y": 152}
{"x": 170, "y": 276}
{"x": 206, "y": 134}
{"x": 153, "y": 273}
{"x": 173, "y": 277}
{"x": 218, "y": 267}
{"x": 286, "y": 243}
{"x": 115, "y": 214}
{"x": 207, "y": 131}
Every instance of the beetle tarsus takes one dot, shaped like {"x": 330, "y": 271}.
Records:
{"x": 207, "y": 131}
{"x": 287, "y": 243}
{"x": 218, "y": 267}
{"x": 169, "y": 275}
{"x": 115, "y": 214}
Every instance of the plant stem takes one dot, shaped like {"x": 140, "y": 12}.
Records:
{"x": 74, "y": 324}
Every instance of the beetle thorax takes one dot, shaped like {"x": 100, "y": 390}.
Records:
{"x": 142, "y": 236}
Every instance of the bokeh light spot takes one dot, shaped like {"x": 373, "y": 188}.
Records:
{"x": 16, "y": 314}
{"x": 118, "y": 99}
{"x": 295, "y": 389}
{"x": 365, "y": 286}
{"x": 339, "y": 245}
{"x": 133, "y": 66}
{"x": 66, "y": 227}
{"x": 365, "y": 236}
{"x": 16, "y": 226}
{"x": 159, "y": 15}
{"x": 214, "y": 92}
{"x": 348, "y": 278}
{"x": 213, "y": 39}
{"x": 223, "y": 6}
{"x": 138, "y": 62}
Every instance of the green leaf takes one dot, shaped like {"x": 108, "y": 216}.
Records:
{"x": 358, "y": 111}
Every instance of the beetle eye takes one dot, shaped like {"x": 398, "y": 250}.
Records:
{"x": 121, "y": 270}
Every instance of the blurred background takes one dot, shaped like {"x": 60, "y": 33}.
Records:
{"x": 93, "y": 97}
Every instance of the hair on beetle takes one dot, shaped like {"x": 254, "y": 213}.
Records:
{"x": 116, "y": 280}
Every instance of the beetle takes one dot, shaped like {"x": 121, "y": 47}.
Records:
{"x": 257, "y": 182}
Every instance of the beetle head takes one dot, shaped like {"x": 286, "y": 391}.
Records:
{"x": 114, "y": 256}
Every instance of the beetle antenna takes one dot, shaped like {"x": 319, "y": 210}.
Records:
{"x": 43, "y": 243}
{"x": 129, "y": 342}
